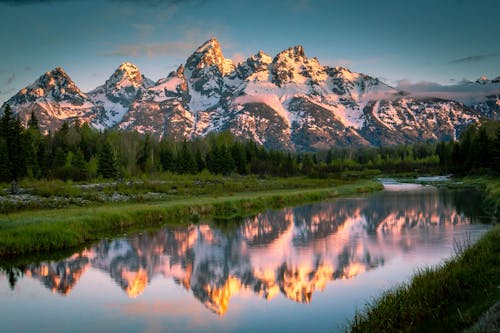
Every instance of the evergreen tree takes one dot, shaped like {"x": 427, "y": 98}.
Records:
{"x": 33, "y": 122}
{"x": 4, "y": 161}
{"x": 227, "y": 162}
{"x": 12, "y": 132}
{"x": 144, "y": 153}
{"x": 107, "y": 161}
{"x": 200, "y": 162}
{"x": 79, "y": 166}
{"x": 329, "y": 157}
{"x": 185, "y": 160}
{"x": 496, "y": 150}
{"x": 484, "y": 148}
{"x": 307, "y": 164}
{"x": 240, "y": 158}
{"x": 167, "y": 158}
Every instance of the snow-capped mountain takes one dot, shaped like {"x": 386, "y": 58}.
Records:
{"x": 289, "y": 101}
{"x": 54, "y": 98}
{"x": 117, "y": 94}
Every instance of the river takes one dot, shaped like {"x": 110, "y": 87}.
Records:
{"x": 299, "y": 269}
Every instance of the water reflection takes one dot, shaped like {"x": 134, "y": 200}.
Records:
{"x": 294, "y": 252}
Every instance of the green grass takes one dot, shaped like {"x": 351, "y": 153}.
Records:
{"x": 445, "y": 299}
{"x": 491, "y": 188}
{"x": 48, "y": 230}
{"x": 162, "y": 187}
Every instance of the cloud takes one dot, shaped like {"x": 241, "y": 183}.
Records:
{"x": 464, "y": 91}
{"x": 151, "y": 50}
{"x": 473, "y": 58}
{"x": 28, "y": 68}
{"x": 11, "y": 79}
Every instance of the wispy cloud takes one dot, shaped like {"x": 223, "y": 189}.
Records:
{"x": 11, "y": 79}
{"x": 464, "y": 91}
{"x": 473, "y": 58}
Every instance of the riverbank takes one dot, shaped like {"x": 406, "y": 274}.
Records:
{"x": 54, "y": 230}
{"x": 490, "y": 186}
{"x": 449, "y": 298}
{"x": 56, "y": 194}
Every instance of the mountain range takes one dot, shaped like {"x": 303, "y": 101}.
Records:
{"x": 288, "y": 101}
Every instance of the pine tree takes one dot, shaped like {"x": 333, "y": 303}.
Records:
{"x": 496, "y": 151}
{"x": 143, "y": 156}
{"x": 185, "y": 160}
{"x": 12, "y": 132}
{"x": 4, "y": 161}
{"x": 166, "y": 158}
{"x": 200, "y": 162}
{"x": 484, "y": 147}
{"x": 33, "y": 122}
{"x": 78, "y": 166}
{"x": 329, "y": 157}
{"x": 107, "y": 161}
{"x": 240, "y": 159}
{"x": 307, "y": 164}
{"x": 227, "y": 162}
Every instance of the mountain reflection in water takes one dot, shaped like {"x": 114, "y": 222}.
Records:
{"x": 294, "y": 252}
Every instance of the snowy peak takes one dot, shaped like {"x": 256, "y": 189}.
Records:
{"x": 207, "y": 55}
{"x": 295, "y": 52}
{"x": 54, "y": 98}
{"x": 257, "y": 63}
{"x": 118, "y": 93}
{"x": 127, "y": 75}
{"x": 126, "y": 79}
{"x": 55, "y": 85}
{"x": 293, "y": 66}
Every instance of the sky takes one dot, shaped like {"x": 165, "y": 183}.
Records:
{"x": 401, "y": 42}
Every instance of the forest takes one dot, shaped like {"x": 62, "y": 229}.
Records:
{"x": 78, "y": 152}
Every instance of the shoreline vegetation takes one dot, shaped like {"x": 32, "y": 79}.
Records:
{"x": 462, "y": 294}
{"x": 39, "y": 231}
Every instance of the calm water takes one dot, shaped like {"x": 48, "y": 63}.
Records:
{"x": 302, "y": 269}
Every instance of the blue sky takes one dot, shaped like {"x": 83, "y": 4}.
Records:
{"x": 440, "y": 41}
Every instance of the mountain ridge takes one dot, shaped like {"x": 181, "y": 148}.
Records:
{"x": 288, "y": 101}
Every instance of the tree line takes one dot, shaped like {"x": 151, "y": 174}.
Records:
{"x": 78, "y": 152}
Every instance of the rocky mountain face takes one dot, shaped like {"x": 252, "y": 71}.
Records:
{"x": 290, "y": 101}
{"x": 54, "y": 98}
{"x": 116, "y": 95}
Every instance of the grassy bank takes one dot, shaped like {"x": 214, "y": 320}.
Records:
{"x": 57, "y": 194}
{"x": 49, "y": 230}
{"x": 446, "y": 299}
{"x": 450, "y": 298}
{"x": 490, "y": 186}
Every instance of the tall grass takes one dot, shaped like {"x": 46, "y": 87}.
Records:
{"x": 163, "y": 187}
{"x": 444, "y": 299}
{"x": 28, "y": 232}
